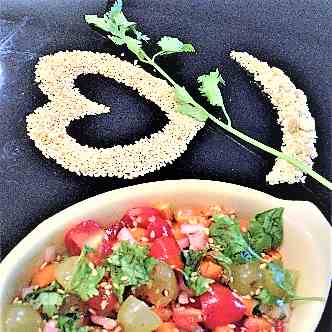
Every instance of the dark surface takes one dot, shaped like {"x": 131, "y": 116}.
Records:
{"x": 292, "y": 35}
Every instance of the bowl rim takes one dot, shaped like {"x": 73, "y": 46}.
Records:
{"x": 48, "y": 226}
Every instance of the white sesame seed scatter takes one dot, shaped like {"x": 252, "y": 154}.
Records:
{"x": 46, "y": 126}
{"x": 297, "y": 124}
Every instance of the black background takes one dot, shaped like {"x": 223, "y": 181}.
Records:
{"x": 292, "y": 35}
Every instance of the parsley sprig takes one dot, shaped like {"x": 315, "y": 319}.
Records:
{"x": 121, "y": 31}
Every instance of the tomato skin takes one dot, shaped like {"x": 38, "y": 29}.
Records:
{"x": 279, "y": 326}
{"x": 87, "y": 232}
{"x": 103, "y": 304}
{"x": 158, "y": 227}
{"x": 187, "y": 318}
{"x": 166, "y": 249}
{"x": 139, "y": 217}
{"x": 221, "y": 307}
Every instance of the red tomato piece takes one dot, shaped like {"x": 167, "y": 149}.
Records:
{"x": 221, "y": 307}
{"x": 85, "y": 233}
{"x": 187, "y": 318}
{"x": 103, "y": 304}
{"x": 279, "y": 326}
{"x": 158, "y": 227}
{"x": 167, "y": 250}
{"x": 139, "y": 217}
{"x": 257, "y": 324}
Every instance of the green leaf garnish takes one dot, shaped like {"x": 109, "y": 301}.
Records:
{"x": 188, "y": 106}
{"x": 129, "y": 265}
{"x": 226, "y": 233}
{"x": 86, "y": 277}
{"x": 193, "y": 278}
{"x": 170, "y": 45}
{"x": 46, "y": 299}
{"x": 71, "y": 323}
{"x": 265, "y": 231}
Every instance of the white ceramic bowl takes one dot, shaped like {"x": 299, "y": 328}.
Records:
{"x": 306, "y": 247}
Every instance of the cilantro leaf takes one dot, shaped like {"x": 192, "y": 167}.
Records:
{"x": 129, "y": 265}
{"x": 46, "y": 299}
{"x": 193, "y": 278}
{"x": 170, "y": 45}
{"x": 224, "y": 261}
{"x": 121, "y": 30}
{"x": 226, "y": 233}
{"x": 71, "y": 323}
{"x": 209, "y": 87}
{"x": 48, "y": 302}
{"x": 188, "y": 106}
{"x": 86, "y": 277}
{"x": 265, "y": 231}
{"x": 265, "y": 297}
{"x": 283, "y": 278}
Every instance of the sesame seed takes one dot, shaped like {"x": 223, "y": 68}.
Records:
{"x": 192, "y": 300}
{"x": 152, "y": 234}
{"x": 47, "y": 125}
{"x": 210, "y": 240}
{"x": 165, "y": 292}
{"x": 43, "y": 265}
{"x": 124, "y": 278}
{"x": 144, "y": 239}
{"x": 297, "y": 124}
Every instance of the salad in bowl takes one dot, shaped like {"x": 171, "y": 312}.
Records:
{"x": 164, "y": 266}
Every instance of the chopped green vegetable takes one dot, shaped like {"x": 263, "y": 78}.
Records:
{"x": 86, "y": 277}
{"x": 193, "y": 278}
{"x": 129, "y": 265}
{"x": 226, "y": 233}
{"x": 70, "y": 323}
{"x": 266, "y": 230}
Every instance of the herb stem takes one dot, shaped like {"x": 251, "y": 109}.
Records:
{"x": 293, "y": 161}
{"x": 299, "y": 298}
{"x": 228, "y": 127}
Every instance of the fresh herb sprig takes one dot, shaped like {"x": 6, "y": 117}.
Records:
{"x": 123, "y": 32}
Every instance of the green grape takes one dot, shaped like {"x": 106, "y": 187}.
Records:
{"x": 64, "y": 271}
{"x": 22, "y": 318}
{"x": 246, "y": 277}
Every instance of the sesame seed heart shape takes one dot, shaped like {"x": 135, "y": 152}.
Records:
{"x": 47, "y": 125}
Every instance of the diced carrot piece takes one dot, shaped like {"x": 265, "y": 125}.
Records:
{"x": 44, "y": 276}
{"x": 211, "y": 270}
{"x": 250, "y": 304}
{"x": 164, "y": 313}
{"x": 244, "y": 224}
{"x": 138, "y": 233}
{"x": 167, "y": 327}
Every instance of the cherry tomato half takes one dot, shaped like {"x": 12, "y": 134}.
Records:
{"x": 140, "y": 216}
{"x": 158, "y": 227}
{"x": 167, "y": 250}
{"x": 103, "y": 304}
{"x": 87, "y": 232}
{"x": 221, "y": 307}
